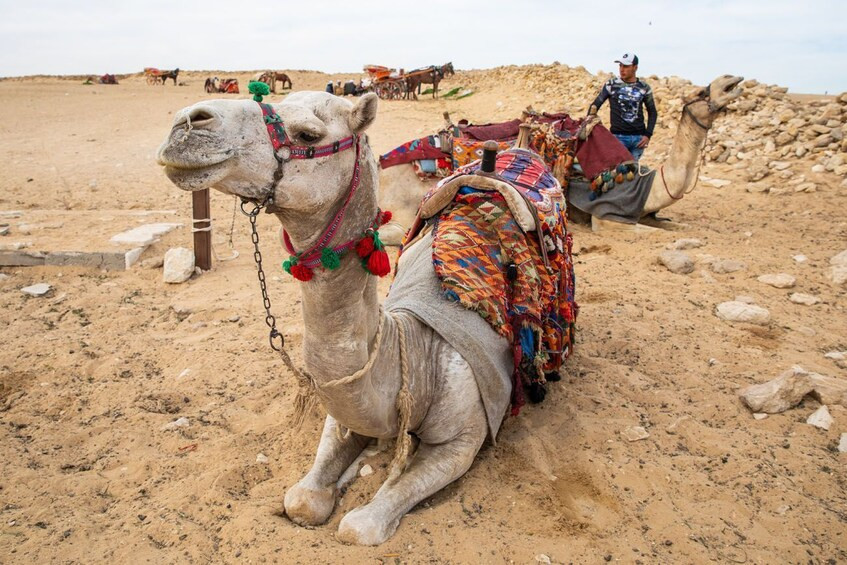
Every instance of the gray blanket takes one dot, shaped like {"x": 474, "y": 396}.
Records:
{"x": 417, "y": 290}
{"x": 624, "y": 203}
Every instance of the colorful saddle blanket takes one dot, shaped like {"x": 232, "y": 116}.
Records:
{"x": 520, "y": 282}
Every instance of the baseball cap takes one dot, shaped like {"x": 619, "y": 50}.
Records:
{"x": 628, "y": 59}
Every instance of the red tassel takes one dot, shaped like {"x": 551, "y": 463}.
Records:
{"x": 378, "y": 263}
{"x": 365, "y": 246}
{"x": 386, "y": 217}
{"x": 301, "y": 273}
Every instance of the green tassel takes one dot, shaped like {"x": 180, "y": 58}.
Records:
{"x": 377, "y": 242}
{"x": 288, "y": 263}
{"x": 330, "y": 259}
{"x": 258, "y": 89}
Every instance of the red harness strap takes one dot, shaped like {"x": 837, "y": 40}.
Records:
{"x": 279, "y": 139}
{"x": 301, "y": 264}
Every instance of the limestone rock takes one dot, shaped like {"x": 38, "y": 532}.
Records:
{"x": 724, "y": 266}
{"x": 807, "y": 299}
{"x": 838, "y": 271}
{"x": 779, "y": 394}
{"x": 781, "y": 280}
{"x": 39, "y": 289}
{"x": 635, "y": 433}
{"x": 179, "y": 265}
{"x": 153, "y": 263}
{"x": 677, "y": 262}
{"x": 829, "y": 390}
{"x": 176, "y": 424}
{"x": 820, "y": 418}
{"x": 735, "y": 311}
{"x": 842, "y": 445}
{"x": 681, "y": 244}
{"x": 143, "y": 235}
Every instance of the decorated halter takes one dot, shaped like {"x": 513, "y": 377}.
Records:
{"x": 368, "y": 247}
{"x": 703, "y": 97}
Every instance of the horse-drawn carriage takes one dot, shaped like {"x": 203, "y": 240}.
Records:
{"x": 225, "y": 85}
{"x": 156, "y": 76}
{"x": 389, "y": 84}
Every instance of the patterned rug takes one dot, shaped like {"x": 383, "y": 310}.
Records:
{"x": 489, "y": 264}
{"x": 428, "y": 147}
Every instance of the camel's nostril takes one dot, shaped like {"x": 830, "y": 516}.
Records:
{"x": 200, "y": 115}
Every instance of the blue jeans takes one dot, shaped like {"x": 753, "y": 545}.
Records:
{"x": 631, "y": 143}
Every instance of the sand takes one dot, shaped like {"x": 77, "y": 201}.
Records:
{"x": 90, "y": 374}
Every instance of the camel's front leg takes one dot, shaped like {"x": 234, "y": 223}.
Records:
{"x": 311, "y": 500}
{"x": 432, "y": 468}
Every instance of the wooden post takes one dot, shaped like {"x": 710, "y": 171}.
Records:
{"x": 523, "y": 135}
{"x": 202, "y": 224}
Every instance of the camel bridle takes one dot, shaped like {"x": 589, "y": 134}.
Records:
{"x": 712, "y": 108}
{"x": 686, "y": 109}
{"x": 284, "y": 150}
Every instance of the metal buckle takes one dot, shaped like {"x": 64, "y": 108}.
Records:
{"x": 335, "y": 146}
{"x": 310, "y": 152}
{"x": 285, "y": 152}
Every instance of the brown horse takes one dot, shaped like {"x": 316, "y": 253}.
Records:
{"x": 427, "y": 75}
{"x": 282, "y": 78}
{"x": 271, "y": 78}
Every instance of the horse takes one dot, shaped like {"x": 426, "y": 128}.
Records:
{"x": 433, "y": 77}
{"x": 283, "y": 78}
{"x": 165, "y": 75}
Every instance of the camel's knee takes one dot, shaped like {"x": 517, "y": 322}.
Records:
{"x": 309, "y": 506}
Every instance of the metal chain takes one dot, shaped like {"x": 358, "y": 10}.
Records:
{"x": 257, "y": 256}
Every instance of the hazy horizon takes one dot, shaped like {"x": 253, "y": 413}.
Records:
{"x": 800, "y": 46}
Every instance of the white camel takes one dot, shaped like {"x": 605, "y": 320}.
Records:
{"x": 362, "y": 358}
{"x": 402, "y": 190}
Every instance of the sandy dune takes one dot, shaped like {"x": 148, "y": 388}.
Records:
{"x": 91, "y": 373}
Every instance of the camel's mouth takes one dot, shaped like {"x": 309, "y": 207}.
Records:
{"x": 732, "y": 84}
{"x": 194, "y": 176}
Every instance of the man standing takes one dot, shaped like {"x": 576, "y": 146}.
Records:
{"x": 629, "y": 95}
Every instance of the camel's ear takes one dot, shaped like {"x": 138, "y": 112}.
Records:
{"x": 363, "y": 113}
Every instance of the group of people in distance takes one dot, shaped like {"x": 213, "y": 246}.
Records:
{"x": 350, "y": 87}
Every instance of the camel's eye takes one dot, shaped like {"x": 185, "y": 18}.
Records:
{"x": 307, "y": 137}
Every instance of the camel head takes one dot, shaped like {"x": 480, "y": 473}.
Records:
{"x": 224, "y": 144}
{"x": 716, "y": 96}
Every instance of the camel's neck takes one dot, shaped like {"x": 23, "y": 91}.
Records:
{"x": 340, "y": 307}
{"x": 681, "y": 167}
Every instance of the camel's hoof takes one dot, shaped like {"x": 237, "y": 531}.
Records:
{"x": 360, "y": 527}
{"x": 309, "y": 507}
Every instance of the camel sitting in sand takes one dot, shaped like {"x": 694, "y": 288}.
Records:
{"x": 367, "y": 363}
{"x": 401, "y": 190}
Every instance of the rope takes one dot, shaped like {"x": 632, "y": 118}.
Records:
{"x": 201, "y": 221}
{"x": 404, "y": 409}
{"x": 306, "y": 399}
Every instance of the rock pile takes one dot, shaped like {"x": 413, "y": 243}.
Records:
{"x": 780, "y": 141}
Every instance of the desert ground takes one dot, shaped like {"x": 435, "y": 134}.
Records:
{"x": 92, "y": 373}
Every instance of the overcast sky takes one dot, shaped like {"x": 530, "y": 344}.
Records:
{"x": 801, "y": 44}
